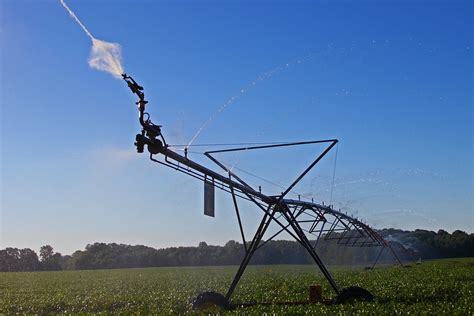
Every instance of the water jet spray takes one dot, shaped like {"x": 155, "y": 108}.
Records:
{"x": 104, "y": 56}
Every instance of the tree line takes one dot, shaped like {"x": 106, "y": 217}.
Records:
{"x": 14, "y": 259}
{"x": 409, "y": 245}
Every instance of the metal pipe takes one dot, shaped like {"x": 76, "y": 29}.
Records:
{"x": 210, "y": 173}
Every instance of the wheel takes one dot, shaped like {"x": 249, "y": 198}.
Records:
{"x": 353, "y": 293}
{"x": 209, "y": 299}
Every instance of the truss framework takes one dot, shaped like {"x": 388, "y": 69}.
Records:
{"x": 302, "y": 220}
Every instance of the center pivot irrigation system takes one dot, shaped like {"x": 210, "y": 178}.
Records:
{"x": 296, "y": 217}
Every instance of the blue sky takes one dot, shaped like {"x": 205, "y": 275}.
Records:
{"x": 392, "y": 80}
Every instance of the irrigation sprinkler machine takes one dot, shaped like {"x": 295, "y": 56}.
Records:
{"x": 300, "y": 219}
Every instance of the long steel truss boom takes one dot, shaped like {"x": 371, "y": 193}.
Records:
{"x": 295, "y": 217}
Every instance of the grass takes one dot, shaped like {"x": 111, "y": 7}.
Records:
{"x": 441, "y": 287}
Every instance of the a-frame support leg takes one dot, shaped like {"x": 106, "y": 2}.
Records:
{"x": 395, "y": 254}
{"x": 307, "y": 244}
{"x": 378, "y": 256}
{"x": 267, "y": 218}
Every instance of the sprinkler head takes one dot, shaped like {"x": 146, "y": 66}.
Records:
{"x": 139, "y": 143}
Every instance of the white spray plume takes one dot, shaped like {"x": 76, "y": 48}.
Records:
{"x": 104, "y": 56}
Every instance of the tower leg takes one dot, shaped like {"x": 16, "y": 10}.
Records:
{"x": 378, "y": 256}
{"x": 306, "y": 243}
{"x": 251, "y": 250}
{"x": 395, "y": 255}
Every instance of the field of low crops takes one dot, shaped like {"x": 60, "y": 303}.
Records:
{"x": 434, "y": 287}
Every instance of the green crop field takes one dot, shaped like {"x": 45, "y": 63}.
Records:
{"x": 434, "y": 287}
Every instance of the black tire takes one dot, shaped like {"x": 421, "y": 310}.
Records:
{"x": 210, "y": 299}
{"x": 353, "y": 293}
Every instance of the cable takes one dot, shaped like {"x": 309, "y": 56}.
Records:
{"x": 229, "y": 144}
{"x": 189, "y": 151}
{"x": 334, "y": 173}
{"x": 268, "y": 181}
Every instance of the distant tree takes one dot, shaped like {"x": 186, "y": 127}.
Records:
{"x": 46, "y": 253}
{"x": 9, "y": 259}
{"x": 14, "y": 259}
{"x": 66, "y": 262}
{"x": 28, "y": 260}
{"x": 231, "y": 244}
{"x": 50, "y": 261}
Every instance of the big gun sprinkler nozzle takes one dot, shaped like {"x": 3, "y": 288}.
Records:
{"x": 150, "y": 131}
{"x": 134, "y": 86}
